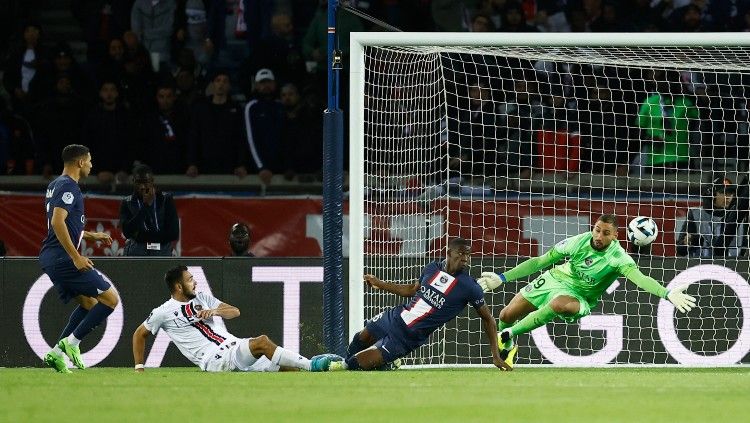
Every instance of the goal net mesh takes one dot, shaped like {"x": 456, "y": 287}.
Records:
{"x": 518, "y": 148}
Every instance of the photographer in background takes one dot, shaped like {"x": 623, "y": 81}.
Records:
{"x": 148, "y": 218}
{"x": 716, "y": 229}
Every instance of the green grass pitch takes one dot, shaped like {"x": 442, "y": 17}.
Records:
{"x": 525, "y": 395}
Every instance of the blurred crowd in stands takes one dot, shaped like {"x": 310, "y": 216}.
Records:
{"x": 238, "y": 86}
{"x": 521, "y": 116}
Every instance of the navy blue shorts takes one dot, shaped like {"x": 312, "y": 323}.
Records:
{"x": 70, "y": 282}
{"x": 395, "y": 340}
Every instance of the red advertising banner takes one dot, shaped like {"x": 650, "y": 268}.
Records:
{"x": 292, "y": 227}
{"x": 513, "y": 228}
{"x": 278, "y": 225}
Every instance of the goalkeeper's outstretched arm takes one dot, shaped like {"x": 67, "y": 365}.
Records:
{"x": 491, "y": 280}
{"x": 682, "y": 301}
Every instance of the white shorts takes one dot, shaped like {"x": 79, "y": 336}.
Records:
{"x": 225, "y": 360}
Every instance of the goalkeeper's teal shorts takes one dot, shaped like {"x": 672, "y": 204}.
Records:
{"x": 542, "y": 290}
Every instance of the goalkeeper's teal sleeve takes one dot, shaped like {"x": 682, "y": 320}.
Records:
{"x": 646, "y": 283}
{"x": 532, "y": 265}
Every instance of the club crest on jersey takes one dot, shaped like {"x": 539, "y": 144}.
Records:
{"x": 67, "y": 197}
{"x": 443, "y": 282}
{"x": 588, "y": 261}
{"x": 198, "y": 307}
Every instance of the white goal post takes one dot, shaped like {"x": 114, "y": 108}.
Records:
{"x": 517, "y": 141}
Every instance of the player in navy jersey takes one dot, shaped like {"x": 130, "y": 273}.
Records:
{"x": 73, "y": 274}
{"x": 442, "y": 292}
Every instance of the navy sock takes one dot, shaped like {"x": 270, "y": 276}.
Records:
{"x": 352, "y": 363}
{"x": 75, "y": 319}
{"x": 96, "y": 315}
{"x": 385, "y": 367}
{"x": 355, "y": 346}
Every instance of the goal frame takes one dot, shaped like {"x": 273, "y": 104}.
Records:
{"x": 360, "y": 40}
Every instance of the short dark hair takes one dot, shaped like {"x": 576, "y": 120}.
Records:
{"x": 31, "y": 23}
{"x": 218, "y": 72}
{"x": 166, "y": 86}
{"x": 142, "y": 171}
{"x": 174, "y": 276}
{"x": 722, "y": 184}
{"x": 240, "y": 228}
{"x": 608, "y": 218}
{"x": 108, "y": 80}
{"x": 458, "y": 242}
{"x": 166, "y": 83}
{"x": 74, "y": 152}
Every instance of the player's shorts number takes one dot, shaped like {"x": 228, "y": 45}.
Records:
{"x": 535, "y": 285}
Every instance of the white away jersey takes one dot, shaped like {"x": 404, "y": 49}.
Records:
{"x": 196, "y": 339}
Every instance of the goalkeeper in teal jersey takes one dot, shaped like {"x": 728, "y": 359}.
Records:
{"x": 572, "y": 289}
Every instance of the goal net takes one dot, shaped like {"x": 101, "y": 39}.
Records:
{"x": 518, "y": 142}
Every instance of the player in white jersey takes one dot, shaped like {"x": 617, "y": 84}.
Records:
{"x": 188, "y": 319}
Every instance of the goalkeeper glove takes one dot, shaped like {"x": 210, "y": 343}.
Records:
{"x": 682, "y": 301}
{"x": 490, "y": 280}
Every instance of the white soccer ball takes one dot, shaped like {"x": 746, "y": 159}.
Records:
{"x": 642, "y": 231}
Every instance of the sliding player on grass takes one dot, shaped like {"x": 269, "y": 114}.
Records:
{"x": 188, "y": 318}
{"x": 440, "y": 294}
{"x": 572, "y": 289}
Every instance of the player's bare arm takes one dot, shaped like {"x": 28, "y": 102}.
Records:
{"x": 489, "y": 326}
{"x": 224, "y": 310}
{"x": 59, "y": 215}
{"x": 403, "y": 290}
{"x": 97, "y": 236}
{"x": 139, "y": 346}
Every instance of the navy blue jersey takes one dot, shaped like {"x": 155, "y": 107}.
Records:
{"x": 440, "y": 298}
{"x": 65, "y": 193}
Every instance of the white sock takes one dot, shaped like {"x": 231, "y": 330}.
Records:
{"x": 286, "y": 358}
{"x": 73, "y": 340}
{"x": 57, "y": 350}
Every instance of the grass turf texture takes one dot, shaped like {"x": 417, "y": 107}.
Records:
{"x": 527, "y": 394}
